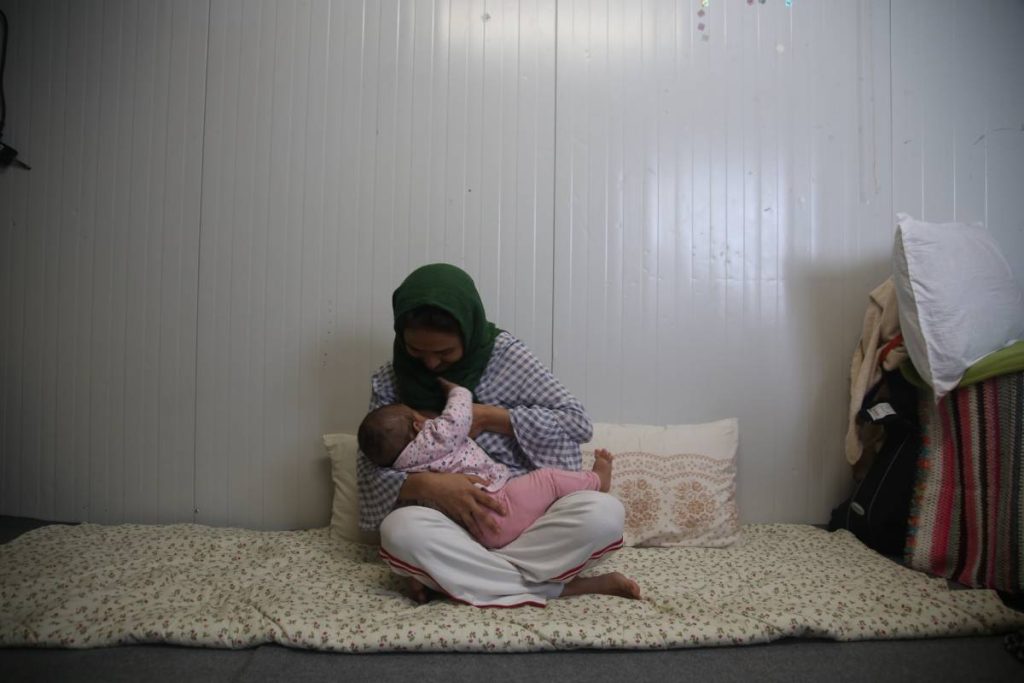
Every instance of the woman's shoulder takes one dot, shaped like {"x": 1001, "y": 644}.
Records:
{"x": 385, "y": 370}
{"x": 384, "y": 381}
{"x": 507, "y": 348}
{"x": 511, "y": 357}
{"x": 514, "y": 373}
{"x": 504, "y": 340}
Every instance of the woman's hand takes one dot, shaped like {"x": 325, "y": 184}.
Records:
{"x": 488, "y": 418}
{"x": 456, "y": 496}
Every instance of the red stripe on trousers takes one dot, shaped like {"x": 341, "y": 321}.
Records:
{"x": 615, "y": 545}
{"x": 396, "y": 563}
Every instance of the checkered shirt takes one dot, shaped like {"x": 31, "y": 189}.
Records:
{"x": 548, "y": 422}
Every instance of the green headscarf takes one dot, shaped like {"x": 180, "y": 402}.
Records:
{"x": 450, "y": 289}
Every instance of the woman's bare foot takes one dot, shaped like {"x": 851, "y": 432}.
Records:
{"x": 606, "y": 584}
{"x": 603, "y": 468}
{"x": 418, "y": 592}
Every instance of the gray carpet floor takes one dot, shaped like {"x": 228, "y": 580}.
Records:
{"x": 944, "y": 659}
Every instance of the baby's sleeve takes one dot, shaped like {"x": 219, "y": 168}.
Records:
{"x": 446, "y": 432}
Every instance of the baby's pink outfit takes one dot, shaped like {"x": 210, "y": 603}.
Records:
{"x": 443, "y": 445}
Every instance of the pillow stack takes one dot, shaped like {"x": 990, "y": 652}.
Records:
{"x": 677, "y": 483}
{"x": 958, "y": 300}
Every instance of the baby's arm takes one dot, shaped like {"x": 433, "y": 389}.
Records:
{"x": 455, "y": 421}
{"x": 440, "y": 436}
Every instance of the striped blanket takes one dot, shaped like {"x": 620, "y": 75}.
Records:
{"x": 967, "y": 519}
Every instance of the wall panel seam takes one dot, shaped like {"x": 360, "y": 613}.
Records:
{"x": 554, "y": 199}
{"x": 199, "y": 259}
{"x": 892, "y": 116}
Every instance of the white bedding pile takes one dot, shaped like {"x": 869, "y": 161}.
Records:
{"x": 92, "y": 586}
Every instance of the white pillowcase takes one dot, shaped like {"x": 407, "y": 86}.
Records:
{"x": 958, "y": 300}
{"x": 343, "y": 449}
{"x": 677, "y": 483}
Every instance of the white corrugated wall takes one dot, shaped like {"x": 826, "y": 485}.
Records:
{"x": 99, "y": 251}
{"x": 347, "y": 143}
{"x": 683, "y": 220}
{"x": 723, "y": 206}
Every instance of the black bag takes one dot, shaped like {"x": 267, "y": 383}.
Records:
{"x": 878, "y": 510}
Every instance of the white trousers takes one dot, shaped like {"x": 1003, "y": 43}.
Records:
{"x": 574, "y": 534}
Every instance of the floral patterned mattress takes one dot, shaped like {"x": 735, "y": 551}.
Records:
{"x": 91, "y": 586}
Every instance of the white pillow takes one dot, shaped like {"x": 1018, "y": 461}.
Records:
{"x": 958, "y": 300}
{"x": 343, "y": 449}
{"x": 677, "y": 483}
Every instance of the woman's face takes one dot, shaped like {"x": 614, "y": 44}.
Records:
{"x": 437, "y": 350}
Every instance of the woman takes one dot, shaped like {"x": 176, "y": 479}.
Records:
{"x": 524, "y": 418}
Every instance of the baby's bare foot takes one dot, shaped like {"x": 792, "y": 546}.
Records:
{"x": 606, "y": 584}
{"x": 603, "y": 468}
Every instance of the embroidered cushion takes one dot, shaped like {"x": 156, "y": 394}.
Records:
{"x": 677, "y": 483}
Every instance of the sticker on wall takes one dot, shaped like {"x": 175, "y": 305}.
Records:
{"x": 704, "y": 13}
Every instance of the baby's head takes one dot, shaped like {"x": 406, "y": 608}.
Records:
{"x": 386, "y": 431}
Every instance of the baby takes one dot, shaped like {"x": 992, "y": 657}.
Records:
{"x": 397, "y": 436}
